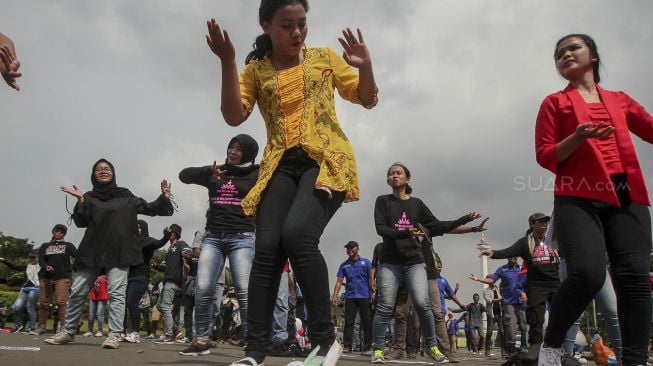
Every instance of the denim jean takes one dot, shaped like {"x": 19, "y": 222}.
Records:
{"x": 216, "y": 248}
{"x": 96, "y": 310}
{"x": 136, "y": 287}
{"x": 281, "y": 308}
{"x": 165, "y": 304}
{"x": 607, "y": 302}
{"x": 388, "y": 278}
{"x": 26, "y": 299}
{"x": 82, "y": 284}
{"x": 291, "y": 217}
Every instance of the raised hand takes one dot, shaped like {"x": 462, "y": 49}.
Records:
{"x": 217, "y": 173}
{"x": 219, "y": 41}
{"x": 473, "y": 277}
{"x": 481, "y": 226}
{"x": 166, "y": 188}
{"x": 11, "y": 66}
{"x": 74, "y": 191}
{"x": 354, "y": 50}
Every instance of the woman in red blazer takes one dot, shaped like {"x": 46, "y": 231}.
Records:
{"x": 601, "y": 202}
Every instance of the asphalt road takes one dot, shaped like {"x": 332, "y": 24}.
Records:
{"x": 24, "y": 349}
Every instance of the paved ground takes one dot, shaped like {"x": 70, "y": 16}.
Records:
{"x": 87, "y": 351}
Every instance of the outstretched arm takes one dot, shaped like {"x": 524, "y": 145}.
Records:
{"x": 486, "y": 280}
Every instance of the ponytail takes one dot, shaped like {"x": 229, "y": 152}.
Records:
{"x": 408, "y": 189}
{"x": 262, "y": 46}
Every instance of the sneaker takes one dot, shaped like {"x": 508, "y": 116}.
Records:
{"x": 99, "y": 334}
{"x": 395, "y": 354}
{"x": 183, "y": 340}
{"x": 367, "y": 352}
{"x": 150, "y": 337}
{"x": 196, "y": 349}
{"x": 167, "y": 340}
{"x": 247, "y": 361}
{"x": 451, "y": 356}
{"x": 132, "y": 337}
{"x": 112, "y": 342}
{"x": 579, "y": 357}
{"x": 60, "y": 338}
{"x": 333, "y": 355}
{"x": 178, "y": 334}
{"x": 27, "y": 330}
{"x": 377, "y": 356}
{"x": 88, "y": 334}
{"x": 550, "y": 356}
{"x": 434, "y": 353}
{"x": 16, "y": 328}
{"x": 38, "y": 331}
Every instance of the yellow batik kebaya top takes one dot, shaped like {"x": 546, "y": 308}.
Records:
{"x": 310, "y": 121}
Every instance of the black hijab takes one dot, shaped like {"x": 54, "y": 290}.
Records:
{"x": 144, "y": 229}
{"x": 107, "y": 191}
{"x": 249, "y": 148}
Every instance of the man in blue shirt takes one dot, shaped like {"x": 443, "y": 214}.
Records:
{"x": 511, "y": 292}
{"x": 356, "y": 271}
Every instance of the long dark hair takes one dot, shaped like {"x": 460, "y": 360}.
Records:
{"x": 408, "y": 189}
{"x": 263, "y": 44}
{"x": 594, "y": 52}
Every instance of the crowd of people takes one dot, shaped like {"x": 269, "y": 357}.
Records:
{"x": 267, "y": 220}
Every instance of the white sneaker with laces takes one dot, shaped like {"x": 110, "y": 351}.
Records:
{"x": 550, "y": 356}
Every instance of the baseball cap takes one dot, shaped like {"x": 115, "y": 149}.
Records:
{"x": 351, "y": 244}
{"x": 538, "y": 216}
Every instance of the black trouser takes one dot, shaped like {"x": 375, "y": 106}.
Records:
{"x": 538, "y": 297}
{"x": 489, "y": 329}
{"x": 352, "y": 307}
{"x": 189, "y": 306}
{"x": 586, "y": 230}
{"x": 291, "y": 217}
{"x": 147, "y": 324}
{"x": 136, "y": 287}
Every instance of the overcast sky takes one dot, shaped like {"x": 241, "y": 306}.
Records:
{"x": 460, "y": 83}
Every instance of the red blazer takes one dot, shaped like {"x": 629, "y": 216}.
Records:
{"x": 584, "y": 174}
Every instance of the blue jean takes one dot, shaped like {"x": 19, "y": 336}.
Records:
{"x": 96, "y": 310}
{"x": 607, "y": 302}
{"x": 239, "y": 248}
{"x": 26, "y": 299}
{"x": 165, "y": 304}
{"x": 82, "y": 284}
{"x": 388, "y": 278}
{"x": 280, "y": 315}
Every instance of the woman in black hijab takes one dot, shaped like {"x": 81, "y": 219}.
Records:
{"x": 110, "y": 244}
{"x": 229, "y": 233}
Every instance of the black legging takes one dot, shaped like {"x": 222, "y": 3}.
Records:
{"x": 136, "y": 287}
{"x": 290, "y": 220}
{"x": 586, "y": 230}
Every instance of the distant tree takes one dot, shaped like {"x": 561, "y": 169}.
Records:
{"x": 15, "y": 250}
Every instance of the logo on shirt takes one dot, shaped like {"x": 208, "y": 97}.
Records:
{"x": 227, "y": 195}
{"x": 55, "y": 249}
{"x": 542, "y": 254}
{"x": 404, "y": 223}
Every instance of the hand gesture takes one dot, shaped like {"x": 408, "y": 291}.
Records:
{"x": 11, "y": 66}
{"x": 217, "y": 173}
{"x": 474, "y": 277}
{"x": 457, "y": 287}
{"x": 152, "y": 263}
{"x": 586, "y": 131}
{"x": 474, "y": 215}
{"x": 334, "y": 300}
{"x": 481, "y": 226}
{"x": 49, "y": 269}
{"x": 416, "y": 233}
{"x": 524, "y": 298}
{"x": 219, "y": 42}
{"x": 355, "y": 51}
{"x": 166, "y": 189}
{"x": 74, "y": 191}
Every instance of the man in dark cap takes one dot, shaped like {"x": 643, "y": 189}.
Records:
{"x": 173, "y": 280}
{"x": 542, "y": 280}
{"x": 55, "y": 276}
{"x": 356, "y": 270}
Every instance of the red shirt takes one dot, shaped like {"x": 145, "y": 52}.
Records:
{"x": 584, "y": 173}
{"x": 99, "y": 291}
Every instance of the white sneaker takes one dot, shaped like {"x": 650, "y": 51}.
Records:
{"x": 550, "y": 356}
{"x": 579, "y": 357}
{"x": 132, "y": 337}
